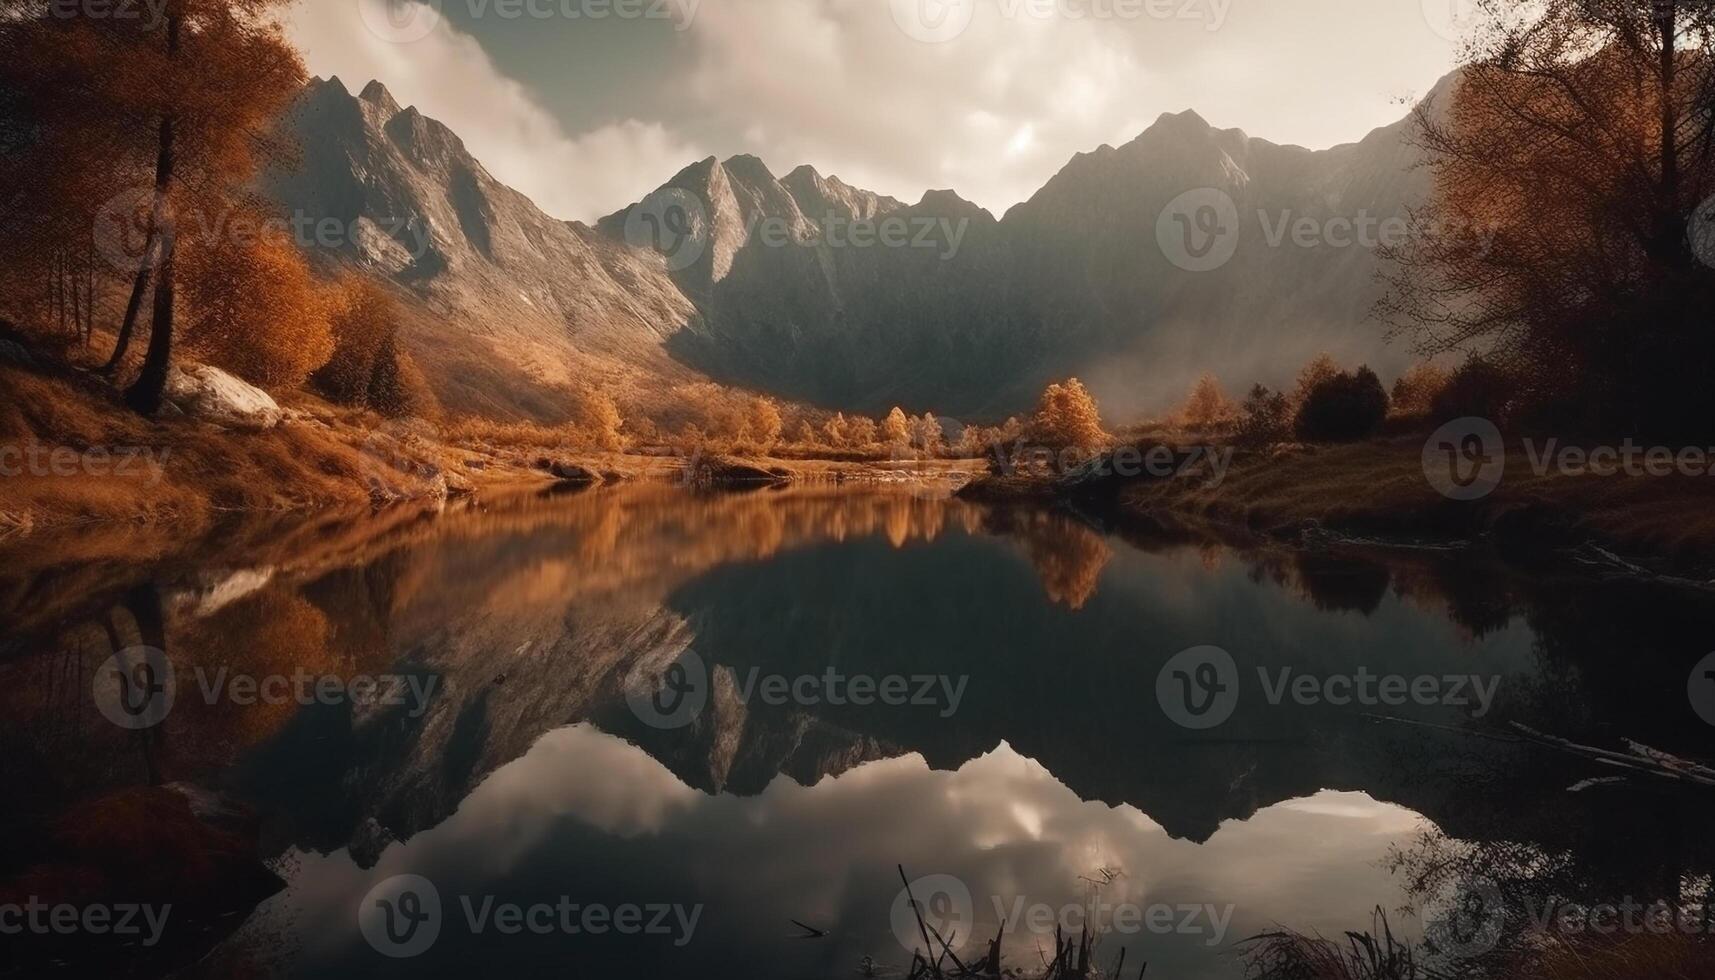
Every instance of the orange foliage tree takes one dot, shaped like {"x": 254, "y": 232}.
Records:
{"x": 1067, "y": 417}
{"x": 253, "y": 308}
{"x": 1569, "y": 162}
{"x": 368, "y": 369}
{"x": 189, "y": 94}
{"x": 1207, "y": 405}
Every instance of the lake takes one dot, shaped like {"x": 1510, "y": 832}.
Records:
{"x": 640, "y": 729}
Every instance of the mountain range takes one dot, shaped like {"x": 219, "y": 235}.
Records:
{"x": 813, "y": 290}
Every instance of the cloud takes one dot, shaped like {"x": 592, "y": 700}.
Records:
{"x": 449, "y": 77}
{"x": 992, "y": 113}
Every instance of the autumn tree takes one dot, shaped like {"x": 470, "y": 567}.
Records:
{"x": 195, "y": 87}
{"x": 1321, "y": 368}
{"x": 1207, "y": 406}
{"x": 837, "y": 430}
{"x": 763, "y": 423}
{"x": 1562, "y": 239}
{"x": 253, "y": 308}
{"x": 597, "y": 417}
{"x": 368, "y": 368}
{"x": 927, "y": 434}
{"x": 804, "y": 434}
{"x": 1067, "y": 417}
{"x": 70, "y": 141}
{"x": 861, "y": 432}
{"x": 896, "y": 428}
{"x": 1414, "y": 391}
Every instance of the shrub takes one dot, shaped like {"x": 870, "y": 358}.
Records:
{"x": 1344, "y": 408}
{"x": 1415, "y": 392}
{"x": 1207, "y": 406}
{"x": 367, "y": 369}
{"x": 1478, "y": 388}
{"x": 1322, "y": 368}
{"x": 1265, "y": 417}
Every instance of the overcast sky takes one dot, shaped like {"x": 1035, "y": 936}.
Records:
{"x": 990, "y": 98}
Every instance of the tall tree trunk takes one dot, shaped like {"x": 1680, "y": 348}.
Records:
{"x": 1672, "y": 221}
{"x": 135, "y": 305}
{"x": 145, "y": 395}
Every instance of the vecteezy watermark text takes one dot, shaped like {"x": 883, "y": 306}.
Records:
{"x": 137, "y": 688}
{"x": 401, "y": 917}
{"x": 889, "y": 231}
{"x": 36, "y": 917}
{"x": 1201, "y": 229}
{"x": 1466, "y": 459}
{"x": 1199, "y": 688}
{"x": 1119, "y": 918}
{"x": 674, "y": 695}
{"x": 120, "y": 462}
{"x": 1159, "y": 462}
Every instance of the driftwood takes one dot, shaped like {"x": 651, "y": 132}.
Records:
{"x": 1642, "y": 758}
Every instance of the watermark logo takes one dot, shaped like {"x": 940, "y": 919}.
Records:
{"x": 671, "y": 221}
{"x": 1451, "y": 20}
{"x": 122, "y": 230}
{"x": 401, "y": 917}
{"x": 1700, "y": 232}
{"x": 1199, "y": 688}
{"x": 948, "y": 913}
{"x": 135, "y": 688}
{"x": 1198, "y": 231}
{"x": 933, "y": 21}
{"x": 400, "y": 21}
{"x": 1466, "y": 920}
{"x": 1465, "y": 459}
{"x": 1700, "y": 688}
{"x": 673, "y": 696}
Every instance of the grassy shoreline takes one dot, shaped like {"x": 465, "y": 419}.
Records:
{"x": 73, "y": 459}
{"x": 1377, "y": 489}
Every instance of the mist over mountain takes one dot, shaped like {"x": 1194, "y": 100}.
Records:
{"x": 811, "y": 289}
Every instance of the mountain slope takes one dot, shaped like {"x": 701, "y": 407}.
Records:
{"x": 508, "y": 306}
{"x": 812, "y": 289}
{"x": 966, "y": 314}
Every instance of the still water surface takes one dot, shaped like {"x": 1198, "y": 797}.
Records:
{"x": 1027, "y": 757}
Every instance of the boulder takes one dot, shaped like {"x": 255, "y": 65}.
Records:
{"x": 209, "y": 394}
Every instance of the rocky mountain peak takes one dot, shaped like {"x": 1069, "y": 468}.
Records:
{"x": 820, "y": 197}
{"x": 376, "y": 94}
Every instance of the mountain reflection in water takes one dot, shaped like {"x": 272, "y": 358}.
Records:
{"x": 528, "y": 776}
